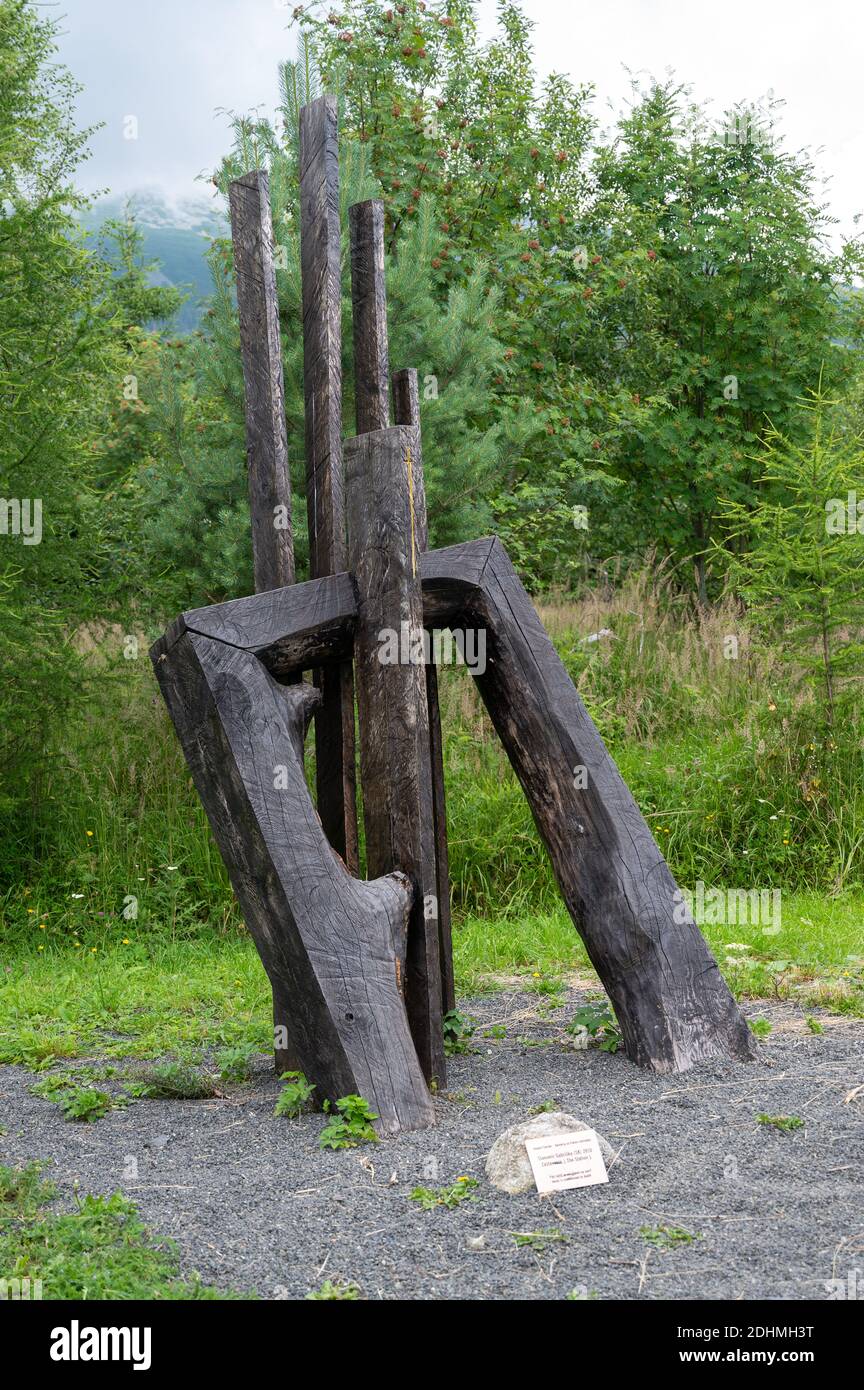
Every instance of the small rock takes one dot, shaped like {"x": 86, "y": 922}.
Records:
{"x": 508, "y": 1166}
{"x": 476, "y": 1242}
{"x": 158, "y": 1141}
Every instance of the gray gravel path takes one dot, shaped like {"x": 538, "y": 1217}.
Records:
{"x": 255, "y": 1204}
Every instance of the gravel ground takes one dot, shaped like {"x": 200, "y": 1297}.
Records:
{"x": 253, "y": 1203}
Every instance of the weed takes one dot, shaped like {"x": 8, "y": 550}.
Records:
{"x": 545, "y": 1107}
{"x": 814, "y": 1025}
{"x": 785, "y": 1123}
{"x": 336, "y": 1290}
{"x": 175, "y": 1081}
{"x": 85, "y": 1103}
{"x": 458, "y": 1032}
{"x": 600, "y": 1021}
{"x": 760, "y": 1026}
{"x": 233, "y": 1062}
{"x": 352, "y": 1125}
{"x": 462, "y": 1190}
{"x": 668, "y": 1237}
{"x": 294, "y": 1096}
{"x": 539, "y": 1240}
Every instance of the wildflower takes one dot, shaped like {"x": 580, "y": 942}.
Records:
{"x": 93, "y": 950}
{"x": 43, "y": 927}
{"x": 76, "y": 943}
{"x": 32, "y": 909}
{"x": 40, "y": 948}
{"x": 125, "y": 941}
{"x": 90, "y": 832}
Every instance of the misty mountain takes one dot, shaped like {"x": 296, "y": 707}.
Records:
{"x": 177, "y": 234}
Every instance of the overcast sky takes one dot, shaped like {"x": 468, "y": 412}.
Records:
{"x": 173, "y": 63}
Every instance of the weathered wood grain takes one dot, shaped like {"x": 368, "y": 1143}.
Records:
{"x": 369, "y": 312}
{"x": 406, "y": 411}
{"x": 395, "y": 759}
{"x": 673, "y": 1006}
{"x": 332, "y": 946}
{"x": 266, "y": 446}
{"x": 320, "y": 258}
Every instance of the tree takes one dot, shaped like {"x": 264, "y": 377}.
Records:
{"x": 195, "y": 497}
{"x": 802, "y": 575}
{"x": 64, "y": 355}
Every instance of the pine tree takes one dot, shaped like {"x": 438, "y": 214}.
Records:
{"x": 195, "y": 501}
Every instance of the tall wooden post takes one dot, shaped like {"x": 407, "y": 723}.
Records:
{"x": 266, "y": 443}
{"x": 406, "y": 411}
{"x": 320, "y": 252}
{"x": 395, "y": 762}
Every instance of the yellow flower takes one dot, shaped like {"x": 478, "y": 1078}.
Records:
{"x": 32, "y": 909}
{"x": 76, "y": 943}
{"x": 463, "y": 1178}
{"x": 43, "y": 927}
{"x": 40, "y": 948}
{"x": 785, "y": 842}
{"x": 536, "y": 975}
{"x": 125, "y": 941}
{"x": 89, "y": 832}
{"x": 93, "y": 950}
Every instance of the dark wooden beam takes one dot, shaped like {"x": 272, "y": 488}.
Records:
{"x": 266, "y": 446}
{"x": 369, "y": 311}
{"x": 406, "y": 411}
{"x": 671, "y": 1001}
{"x": 320, "y": 255}
{"x": 395, "y": 760}
{"x": 332, "y": 945}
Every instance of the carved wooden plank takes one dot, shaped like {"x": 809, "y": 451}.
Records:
{"x": 266, "y": 447}
{"x": 369, "y": 311}
{"x": 331, "y": 944}
{"x": 320, "y": 254}
{"x": 395, "y": 765}
{"x": 406, "y": 411}
{"x": 305, "y": 625}
{"x": 671, "y": 1001}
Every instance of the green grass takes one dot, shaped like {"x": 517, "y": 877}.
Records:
{"x": 99, "y": 1250}
{"x": 817, "y": 957}
{"x": 120, "y": 935}
{"x": 181, "y": 998}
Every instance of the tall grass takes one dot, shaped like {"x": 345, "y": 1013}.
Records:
{"x": 739, "y": 787}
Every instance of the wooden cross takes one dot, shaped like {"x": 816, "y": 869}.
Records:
{"x": 362, "y": 971}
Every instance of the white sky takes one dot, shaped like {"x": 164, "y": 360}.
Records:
{"x": 172, "y": 63}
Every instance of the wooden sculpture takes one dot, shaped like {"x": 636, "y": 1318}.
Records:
{"x": 362, "y": 972}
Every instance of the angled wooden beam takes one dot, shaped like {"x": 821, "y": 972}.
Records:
{"x": 395, "y": 762}
{"x": 320, "y": 255}
{"x": 673, "y": 1005}
{"x": 406, "y": 411}
{"x": 332, "y": 945}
